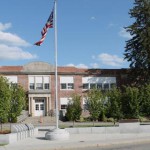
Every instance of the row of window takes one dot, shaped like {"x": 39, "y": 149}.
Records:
{"x": 39, "y": 86}
{"x": 67, "y": 82}
{"x": 102, "y": 86}
{"x": 39, "y": 82}
{"x": 86, "y": 86}
{"x": 70, "y": 86}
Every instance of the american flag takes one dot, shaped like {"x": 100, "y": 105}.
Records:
{"x": 49, "y": 24}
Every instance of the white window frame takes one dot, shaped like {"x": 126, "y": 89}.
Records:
{"x": 98, "y": 80}
{"x": 39, "y": 79}
{"x": 64, "y": 101}
{"x": 68, "y": 81}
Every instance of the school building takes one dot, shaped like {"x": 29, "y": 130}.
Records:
{"x": 38, "y": 80}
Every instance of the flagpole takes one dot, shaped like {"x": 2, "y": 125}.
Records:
{"x": 56, "y": 134}
{"x": 56, "y": 73}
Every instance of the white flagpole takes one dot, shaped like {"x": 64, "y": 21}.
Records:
{"x": 56, "y": 74}
{"x": 56, "y": 134}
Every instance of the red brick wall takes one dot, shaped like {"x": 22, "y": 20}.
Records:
{"x": 62, "y": 71}
{"x": 23, "y": 81}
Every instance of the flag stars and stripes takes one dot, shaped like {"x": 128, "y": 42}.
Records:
{"x": 49, "y": 24}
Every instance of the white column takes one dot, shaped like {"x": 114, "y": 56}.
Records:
{"x": 29, "y": 105}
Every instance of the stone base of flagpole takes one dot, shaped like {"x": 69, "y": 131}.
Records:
{"x": 57, "y": 134}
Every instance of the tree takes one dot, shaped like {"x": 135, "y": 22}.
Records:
{"x": 94, "y": 100}
{"x": 12, "y": 100}
{"x": 74, "y": 109}
{"x": 138, "y": 47}
{"x": 145, "y": 100}
{"x": 130, "y": 102}
{"x": 17, "y": 101}
{"x": 114, "y": 104}
{"x": 5, "y": 96}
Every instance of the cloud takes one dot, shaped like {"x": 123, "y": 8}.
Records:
{"x": 81, "y": 66}
{"x": 123, "y": 33}
{"x": 93, "y": 18}
{"x": 111, "y": 25}
{"x": 10, "y": 45}
{"x": 5, "y": 26}
{"x": 110, "y": 60}
{"x": 12, "y": 39}
{"x": 70, "y": 65}
{"x": 14, "y": 53}
{"x": 77, "y": 66}
{"x": 94, "y": 65}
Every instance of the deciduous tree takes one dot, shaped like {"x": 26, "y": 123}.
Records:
{"x": 94, "y": 102}
{"x": 74, "y": 109}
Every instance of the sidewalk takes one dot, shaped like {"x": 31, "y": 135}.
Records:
{"x": 76, "y": 141}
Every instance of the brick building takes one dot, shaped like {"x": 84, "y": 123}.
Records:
{"x": 38, "y": 80}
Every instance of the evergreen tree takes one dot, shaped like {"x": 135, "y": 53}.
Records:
{"x": 138, "y": 47}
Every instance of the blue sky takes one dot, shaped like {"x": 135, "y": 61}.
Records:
{"x": 90, "y": 32}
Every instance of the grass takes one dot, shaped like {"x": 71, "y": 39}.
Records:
{"x": 80, "y": 125}
{"x": 3, "y": 144}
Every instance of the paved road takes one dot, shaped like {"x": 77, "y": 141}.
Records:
{"x": 138, "y": 146}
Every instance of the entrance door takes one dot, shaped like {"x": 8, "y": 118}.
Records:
{"x": 39, "y": 107}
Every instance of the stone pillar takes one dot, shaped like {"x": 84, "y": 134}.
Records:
{"x": 32, "y": 106}
{"x": 50, "y": 105}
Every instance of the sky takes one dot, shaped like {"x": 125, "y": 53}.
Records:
{"x": 90, "y": 33}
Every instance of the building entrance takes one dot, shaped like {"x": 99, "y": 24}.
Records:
{"x": 39, "y": 107}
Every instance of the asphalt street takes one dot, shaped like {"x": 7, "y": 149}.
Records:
{"x": 133, "y": 146}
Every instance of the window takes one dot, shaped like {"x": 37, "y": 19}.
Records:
{"x": 37, "y": 107}
{"x": 12, "y": 79}
{"x": 64, "y": 102}
{"x": 41, "y": 106}
{"x": 92, "y": 86}
{"x": 39, "y": 86}
{"x": 102, "y": 83}
{"x": 70, "y": 86}
{"x": 63, "y": 86}
{"x": 66, "y": 83}
{"x": 85, "y": 86}
{"x": 46, "y": 86}
{"x": 39, "y": 100}
{"x": 39, "y": 83}
{"x": 112, "y": 85}
{"x": 99, "y": 86}
{"x": 106, "y": 86}
{"x": 46, "y": 82}
{"x": 31, "y": 86}
{"x": 63, "y": 106}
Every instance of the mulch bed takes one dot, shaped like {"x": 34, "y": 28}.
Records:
{"x": 5, "y": 132}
